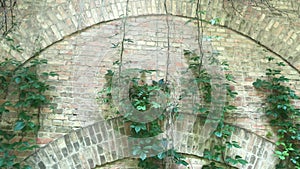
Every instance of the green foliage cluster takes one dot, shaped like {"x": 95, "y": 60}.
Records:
{"x": 139, "y": 94}
{"x": 284, "y": 117}
{"x": 221, "y": 137}
{"x": 22, "y": 95}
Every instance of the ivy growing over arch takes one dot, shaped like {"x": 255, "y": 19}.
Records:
{"x": 22, "y": 96}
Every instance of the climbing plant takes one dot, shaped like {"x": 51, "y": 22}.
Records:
{"x": 22, "y": 96}
{"x": 220, "y": 142}
{"x": 283, "y": 115}
{"x": 140, "y": 93}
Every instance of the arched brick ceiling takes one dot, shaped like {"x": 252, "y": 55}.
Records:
{"x": 54, "y": 21}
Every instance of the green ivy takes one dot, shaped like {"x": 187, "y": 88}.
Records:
{"x": 221, "y": 136}
{"x": 139, "y": 95}
{"x": 284, "y": 117}
{"x": 22, "y": 93}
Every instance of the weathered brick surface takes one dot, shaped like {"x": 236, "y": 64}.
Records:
{"x": 82, "y": 60}
{"x": 78, "y": 37}
{"x": 60, "y": 153}
{"x": 52, "y": 21}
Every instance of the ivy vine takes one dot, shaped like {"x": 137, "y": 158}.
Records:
{"x": 221, "y": 142}
{"x": 140, "y": 94}
{"x": 283, "y": 114}
{"x": 22, "y": 95}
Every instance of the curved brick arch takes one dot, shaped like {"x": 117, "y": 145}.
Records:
{"x": 56, "y": 21}
{"x": 100, "y": 143}
{"x": 53, "y": 21}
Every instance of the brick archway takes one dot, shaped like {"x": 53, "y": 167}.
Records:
{"x": 84, "y": 147}
{"x": 100, "y": 143}
{"x": 54, "y": 22}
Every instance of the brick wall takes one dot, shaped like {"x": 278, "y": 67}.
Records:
{"x": 77, "y": 39}
{"x": 83, "y": 59}
{"x": 51, "y": 21}
{"x": 101, "y": 144}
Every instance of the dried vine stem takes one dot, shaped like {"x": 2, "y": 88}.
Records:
{"x": 7, "y": 15}
{"x": 261, "y": 4}
{"x": 167, "y": 165}
{"x": 123, "y": 36}
{"x": 168, "y": 39}
{"x": 199, "y": 32}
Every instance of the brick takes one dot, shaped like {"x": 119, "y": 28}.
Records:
{"x": 44, "y": 140}
{"x": 79, "y": 55}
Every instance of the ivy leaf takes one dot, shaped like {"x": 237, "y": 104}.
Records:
{"x": 207, "y": 154}
{"x": 203, "y": 110}
{"x": 143, "y": 156}
{"x": 188, "y": 21}
{"x": 230, "y": 78}
{"x": 270, "y": 58}
{"x": 242, "y": 161}
{"x": 53, "y": 74}
{"x": 8, "y": 136}
{"x": 23, "y": 116}
{"x": 280, "y": 64}
{"x": 27, "y": 167}
{"x": 231, "y": 160}
{"x": 115, "y": 45}
{"x": 187, "y": 52}
{"x": 228, "y": 144}
{"x": 182, "y": 162}
{"x": 236, "y": 144}
{"x": 161, "y": 155}
{"x": 136, "y": 150}
{"x": 31, "y": 125}
{"x": 155, "y": 105}
{"x": 18, "y": 80}
{"x": 117, "y": 62}
{"x": 147, "y": 148}
{"x": 19, "y": 125}
{"x": 1, "y": 162}
{"x": 257, "y": 83}
{"x": 141, "y": 108}
{"x": 293, "y": 160}
{"x": 218, "y": 134}
{"x": 128, "y": 40}
{"x": 214, "y": 21}
{"x": 136, "y": 128}
{"x": 161, "y": 81}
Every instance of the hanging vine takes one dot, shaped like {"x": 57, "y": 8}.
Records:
{"x": 284, "y": 116}
{"x": 200, "y": 29}
{"x": 22, "y": 95}
{"x": 140, "y": 94}
{"x": 7, "y": 15}
{"x": 220, "y": 142}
